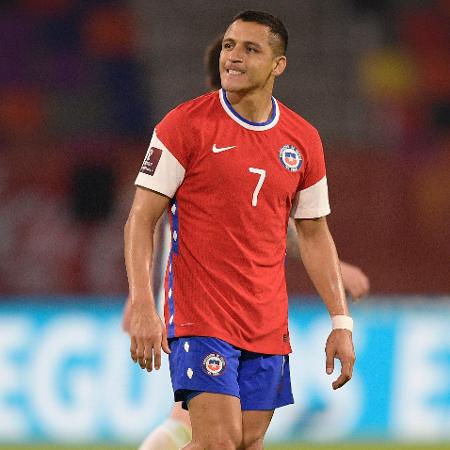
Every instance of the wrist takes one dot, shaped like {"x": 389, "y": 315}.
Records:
{"x": 341, "y": 322}
{"x": 143, "y": 299}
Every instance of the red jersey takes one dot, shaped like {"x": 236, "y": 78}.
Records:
{"x": 233, "y": 184}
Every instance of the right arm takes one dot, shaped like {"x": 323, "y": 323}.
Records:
{"x": 158, "y": 248}
{"x": 147, "y": 332}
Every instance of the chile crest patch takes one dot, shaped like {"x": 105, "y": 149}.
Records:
{"x": 291, "y": 158}
{"x": 214, "y": 364}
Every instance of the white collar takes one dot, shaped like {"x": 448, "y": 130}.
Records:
{"x": 254, "y": 126}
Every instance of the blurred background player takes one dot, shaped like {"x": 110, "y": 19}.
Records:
{"x": 175, "y": 431}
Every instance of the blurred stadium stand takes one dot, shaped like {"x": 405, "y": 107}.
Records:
{"x": 82, "y": 83}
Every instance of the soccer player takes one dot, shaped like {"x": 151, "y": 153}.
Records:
{"x": 230, "y": 167}
{"x": 175, "y": 431}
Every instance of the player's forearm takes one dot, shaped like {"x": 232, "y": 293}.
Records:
{"x": 321, "y": 262}
{"x": 138, "y": 235}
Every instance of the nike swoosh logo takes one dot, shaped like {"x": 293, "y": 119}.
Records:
{"x": 221, "y": 149}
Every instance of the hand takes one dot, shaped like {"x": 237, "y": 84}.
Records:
{"x": 148, "y": 335}
{"x": 339, "y": 345}
{"x": 355, "y": 281}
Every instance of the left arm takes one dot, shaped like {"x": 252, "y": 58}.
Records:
{"x": 320, "y": 259}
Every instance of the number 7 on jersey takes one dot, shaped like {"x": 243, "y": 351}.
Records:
{"x": 262, "y": 176}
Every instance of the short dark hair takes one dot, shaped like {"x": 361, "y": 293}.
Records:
{"x": 276, "y": 26}
{"x": 211, "y": 62}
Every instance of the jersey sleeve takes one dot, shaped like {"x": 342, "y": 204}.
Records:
{"x": 165, "y": 163}
{"x": 311, "y": 200}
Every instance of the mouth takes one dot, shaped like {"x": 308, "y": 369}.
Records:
{"x": 234, "y": 73}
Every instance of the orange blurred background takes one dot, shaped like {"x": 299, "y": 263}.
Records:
{"x": 82, "y": 83}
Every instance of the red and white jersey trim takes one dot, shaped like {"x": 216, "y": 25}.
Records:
{"x": 312, "y": 202}
{"x": 168, "y": 175}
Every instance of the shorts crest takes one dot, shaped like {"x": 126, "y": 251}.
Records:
{"x": 291, "y": 158}
{"x": 214, "y": 364}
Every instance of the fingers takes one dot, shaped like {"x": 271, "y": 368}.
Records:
{"x": 340, "y": 382}
{"x": 329, "y": 360}
{"x": 147, "y": 338}
{"x": 345, "y": 376}
{"x": 157, "y": 351}
{"x": 339, "y": 345}
{"x": 133, "y": 347}
{"x": 157, "y": 356}
{"x": 142, "y": 353}
{"x": 148, "y": 354}
{"x": 148, "y": 360}
{"x": 165, "y": 345}
{"x": 140, "y": 349}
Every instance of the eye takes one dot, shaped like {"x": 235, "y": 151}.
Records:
{"x": 252, "y": 50}
{"x": 227, "y": 45}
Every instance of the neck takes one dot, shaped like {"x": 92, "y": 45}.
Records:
{"x": 255, "y": 107}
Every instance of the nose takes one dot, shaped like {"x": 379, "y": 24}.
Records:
{"x": 235, "y": 54}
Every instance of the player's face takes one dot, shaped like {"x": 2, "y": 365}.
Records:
{"x": 247, "y": 60}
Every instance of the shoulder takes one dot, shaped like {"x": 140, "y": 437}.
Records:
{"x": 296, "y": 121}
{"x": 183, "y": 127}
{"x": 305, "y": 135}
{"x": 198, "y": 107}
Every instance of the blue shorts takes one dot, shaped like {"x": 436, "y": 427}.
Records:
{"x": 204, "y": 364}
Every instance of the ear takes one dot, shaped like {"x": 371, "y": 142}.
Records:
{"x": 279, "y": 65}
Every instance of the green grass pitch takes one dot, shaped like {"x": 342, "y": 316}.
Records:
{"x": 306, "y": 446}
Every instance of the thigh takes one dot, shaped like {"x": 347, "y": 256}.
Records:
{"x": 264, "y": 381}
{"x": 254, "y": 427}
{"x": 203, "y": 364}
{"x": 216, "y": 421}
{"x": 179, "y": 414}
